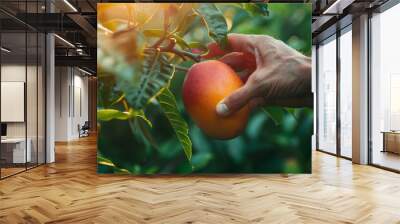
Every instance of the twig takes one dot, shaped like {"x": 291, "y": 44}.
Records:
{"x": 182, "y": 53}
{"x": 159, "y": 42}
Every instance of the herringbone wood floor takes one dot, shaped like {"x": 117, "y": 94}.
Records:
{"x": 70, "y": 191}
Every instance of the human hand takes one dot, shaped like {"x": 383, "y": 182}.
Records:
{"x": 274, "y": 73}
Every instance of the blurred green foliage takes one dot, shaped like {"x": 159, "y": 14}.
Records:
{"x": 266, "y": 146}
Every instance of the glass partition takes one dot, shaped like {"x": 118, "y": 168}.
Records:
{"x": 22, "y": 88}
{"x": 346, "y": 92}
{"x": 327, "y": 95}
{"x": 385, "y": 89}
{"x": 13, "y": 105}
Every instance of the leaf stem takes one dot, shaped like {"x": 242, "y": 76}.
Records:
{"x": 182, "y": 53}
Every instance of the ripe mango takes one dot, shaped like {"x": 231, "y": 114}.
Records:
{"x": 205, "y": 85}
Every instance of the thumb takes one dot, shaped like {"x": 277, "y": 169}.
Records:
{"x": 234, "y": 102}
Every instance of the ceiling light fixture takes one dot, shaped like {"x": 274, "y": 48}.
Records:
{"x": 84, "y": 71}
{"x": 331, "y": 7}
{"x": 64, "y": 40}
{"x": 70, "y": 5}
{"x": 5, "y": 50}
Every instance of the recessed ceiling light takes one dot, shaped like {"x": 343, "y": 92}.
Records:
{"x": 84, "y": 71}
{"x": 64, "y": 40}
{"x": 70, "y": 5}
{"x": 337, "y": 7}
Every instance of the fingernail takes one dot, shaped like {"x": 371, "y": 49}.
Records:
{"x": 222, "y": 109}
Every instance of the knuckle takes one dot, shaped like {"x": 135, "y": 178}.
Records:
{"x": 256, "y": 79}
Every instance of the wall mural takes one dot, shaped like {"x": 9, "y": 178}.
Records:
{"x": 204, "y": 88}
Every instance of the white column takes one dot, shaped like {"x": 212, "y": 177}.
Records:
{"x": 360, "y": 90}
{"x": 50, "y": 94}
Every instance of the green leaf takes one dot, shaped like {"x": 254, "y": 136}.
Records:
{"x": 104, "y": 161}
{"x": 168, "y": 103}
{"x": 139, "y": 129}
{"x": 201, "y": 160}
{"x": 139, "y": 80}
{"x": 215, "y": 22}
{"x": 257, "y": 8}
{"x": 118, "y": 100}
{"x": 140, "y": 114}
{"x": 185, "y": 24}
{"x": 154, "y": 75}
{"x": 146, "y": 134}
{"x": 110, "y": 114}
{"x": 292, "y": 111}
{"x": 275, "y": 113}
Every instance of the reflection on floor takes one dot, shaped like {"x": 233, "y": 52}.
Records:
{"x": 70, "y": 191}
{"x": 9, "y": 170}
{"x": 387, "y": 159}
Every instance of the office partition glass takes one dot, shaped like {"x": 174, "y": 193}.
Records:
{"x": 14, "y": 153}
{"x": 385, "y": 89}
{"x": 346, "y": 92}
{"x": 327, "y": 95}
{"x": 22, "y": 77}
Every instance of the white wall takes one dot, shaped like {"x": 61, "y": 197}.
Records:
{"x": 16, "y": 73}
{"x": 33, "y": 127}
{"x": 71, "y": 102}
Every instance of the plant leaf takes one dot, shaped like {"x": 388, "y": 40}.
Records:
{"x": 292, "y": 111}
{"x": 138, "y": 80}
{"x": 275, "y": 113}
{"x": 257, "y": 8}
{"x": 154, "y": 75}
{"x": 104, "y": 161}
{"x": 146, "y": 133}
{"x": 140, "y": 114}
{"x": 118, "y": 100}
{"x": 186, "y": 23}
{"x": 215, "y": 22}
{"x": 168, "y": 103}
{"x": 201, "y": 160}
{"x": 109, "y": 114}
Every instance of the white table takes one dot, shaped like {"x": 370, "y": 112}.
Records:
{"x": 19, "y": 155}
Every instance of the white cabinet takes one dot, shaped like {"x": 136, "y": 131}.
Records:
{"x": 19, "y": 155}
